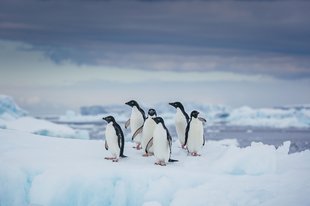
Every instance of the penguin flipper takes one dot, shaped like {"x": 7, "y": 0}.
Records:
{"x": 149, "y": 145}
{"x": 106, "y": 145}
{"x": 202, "y": 119}
{"x": 127, "y": 124}
{"x": 204, "y": 141}
{"x": 138, "y": 131}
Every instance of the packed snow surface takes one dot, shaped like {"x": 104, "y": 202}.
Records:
{"x": 40, "y": 170}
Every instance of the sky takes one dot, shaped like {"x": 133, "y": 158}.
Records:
{"x": 58, "y": 55}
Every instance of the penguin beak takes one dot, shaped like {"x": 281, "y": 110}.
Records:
{"x": 171, "y": 104}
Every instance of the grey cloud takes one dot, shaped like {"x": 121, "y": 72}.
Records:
{"x": 269, "y": 37}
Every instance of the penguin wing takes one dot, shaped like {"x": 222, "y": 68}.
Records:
{"x": 106, "y": 145}
{"x": 204, "y": 140}
{"x": 120, "y": 139}
{"x": 202, "y": 119}
{"x": 186, "y": 132}
{"x": 138, "y": 131}
{"x": 127, "y": 124}
{"x": 149, "y": 145}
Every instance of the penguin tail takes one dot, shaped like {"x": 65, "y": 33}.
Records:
{"x": 123, "y": 156}
{"x": 172, "y": 160}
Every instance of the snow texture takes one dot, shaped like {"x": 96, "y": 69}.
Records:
{"x": 13, "y": 117}
{"x": 36, "y": 170}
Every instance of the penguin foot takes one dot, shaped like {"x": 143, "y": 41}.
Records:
{"x": 195, "y": 154}
{"x": 138, "y": 147}
{"x": 161, "y": 163}
{"x": 114, "y": 159}
{"x": 183, "y": 146}
{"x": 147, "y": 154}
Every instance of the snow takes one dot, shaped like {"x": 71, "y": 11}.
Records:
{"x": 13, "y": 117}
{"x": 36, "y": 170}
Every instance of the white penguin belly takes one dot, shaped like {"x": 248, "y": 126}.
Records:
{"x": 180, "y": 124}
{"x": 136, "y": 121}
{"x": 160, "y": 144}
{"x": 195, "y": 136}
{"x": 112, "y": 140}
{"x": 148, "y": 131}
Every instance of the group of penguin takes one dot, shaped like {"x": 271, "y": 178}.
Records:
{"x": 151, "y": 134}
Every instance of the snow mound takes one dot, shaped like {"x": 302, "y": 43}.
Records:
{"x": 9, "y": 109}
{"x": 45, "y": 128}
{"x": 55, "y": 171}
{"x": 13, "y": 117}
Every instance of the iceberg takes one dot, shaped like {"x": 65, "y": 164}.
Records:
{"x": 56, "y": 171}
{"x": 9, "y": 109}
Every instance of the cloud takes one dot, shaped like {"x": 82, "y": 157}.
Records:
{"x": 248, "y": 37}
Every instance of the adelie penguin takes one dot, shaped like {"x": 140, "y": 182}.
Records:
{"x": 114, "y": 139}
{"x": 181, "y": 121}
{"x": 194, "y": 137}
{"x": 162, "y": 143}
{"x": 136, "y": 122}
{"x": 147, "y": 133}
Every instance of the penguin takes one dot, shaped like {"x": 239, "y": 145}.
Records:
{"x": 194, "y": 137}
{"x": 162, "y": 143}
{"x": 136, "y": 122}
{"x": 114, "y": 139}
{"x": 147, "y": 133}
{"x": 181, "y": 121}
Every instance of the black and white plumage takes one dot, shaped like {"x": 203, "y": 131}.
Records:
{"x": 147, "y": 133}
{"x": 162, "y": 143}
{"x": 114, "y": 139}
{"x": 136, "y": 122}
{"x": 181, "y": 121}
{"x": 194, "y": 135}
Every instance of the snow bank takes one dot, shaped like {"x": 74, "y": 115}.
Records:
{"x": 13, "y": 117}
{"x": 45, "y": 128}
{"x": 55, "y": 171}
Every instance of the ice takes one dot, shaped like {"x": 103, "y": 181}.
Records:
{"x": 36, "y": 170}
{"x": 9, "y": 109}
{"x": 13, "y": 117}
{"x": 277, "y": 117}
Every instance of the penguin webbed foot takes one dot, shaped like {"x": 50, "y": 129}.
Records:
{"x": 183, "y": 146}
{"x": 114, "y": 159}
{"x": 138, "y": 147}
{"x": 147, "y": 154}
{"x": 161, "y": 163}
{"x": 195, "y": 154}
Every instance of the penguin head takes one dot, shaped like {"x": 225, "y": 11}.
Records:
{"x": 132, "y": 103}
{"x": 176, "y": 104}
{"x": 158, "y": 120}
{"x": 109, "y": 119}
{"x": 194, "y": 114}
{"x": 152, "y": 112}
